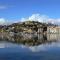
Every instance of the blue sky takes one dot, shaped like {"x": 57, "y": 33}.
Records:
{"x": 13, "y": 10}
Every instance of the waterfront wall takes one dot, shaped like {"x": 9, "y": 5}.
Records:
{"x": 53, "y": 29}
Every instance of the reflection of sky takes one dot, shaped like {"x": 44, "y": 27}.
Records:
{"x": 42, "y": 47}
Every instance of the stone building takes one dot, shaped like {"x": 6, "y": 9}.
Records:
{"x": 53, "y": 29}
{"x": 40, "y": 30}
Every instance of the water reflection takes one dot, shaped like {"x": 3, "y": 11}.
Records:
{"x": 29, "y": 39}
{"x": 29, "y": 46}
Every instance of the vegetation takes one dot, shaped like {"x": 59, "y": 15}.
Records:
{"x": 27, "y": 26}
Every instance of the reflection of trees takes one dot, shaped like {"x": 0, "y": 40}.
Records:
{"x": 29, "y": 39}
{"x": 26, "y": 39}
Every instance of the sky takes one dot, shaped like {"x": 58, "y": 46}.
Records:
{"x": 20, "y": 10}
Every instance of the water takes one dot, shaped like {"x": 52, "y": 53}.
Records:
{"x": 29, "y": 47}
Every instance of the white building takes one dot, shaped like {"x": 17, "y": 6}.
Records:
{"x": 53, "y": 29}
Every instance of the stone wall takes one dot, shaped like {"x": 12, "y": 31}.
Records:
{"x": 53, "y": 29}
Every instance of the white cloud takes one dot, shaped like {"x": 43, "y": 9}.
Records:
{"x": 38, "y": 48}
{"x": 34, "y": 17}
{"x": 23, "y": 19}
{"x": 41, "y": 18}
{"x": 3, "y": 21}
{"x": 38, "y": 17}
{"x": 42, "y": 47}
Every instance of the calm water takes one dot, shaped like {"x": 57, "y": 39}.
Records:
{"x": 29, "y": 47}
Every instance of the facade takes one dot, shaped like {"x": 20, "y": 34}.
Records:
{"x": 40, "y": 30}
{"x": 53, "y": 29}
{"x": 53, "y": 37}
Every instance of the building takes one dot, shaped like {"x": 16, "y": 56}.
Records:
{"x": 53, "y": 29}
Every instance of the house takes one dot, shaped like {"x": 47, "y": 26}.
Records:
{"x": 53, "y": 29}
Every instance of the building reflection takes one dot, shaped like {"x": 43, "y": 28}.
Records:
{"x": 30, "y": 39}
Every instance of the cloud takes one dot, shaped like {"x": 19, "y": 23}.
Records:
{"x": 38, "y": 48}
{"x": 42, "y": 47}
{"x": 38, "y": 17}
{"x": 23, "y": 19}
{"x": 41, "y": 18}
{"x": 45, "y": 47}
{"x": 35, "y": 17}
{"x": 3, "y": 21}
{"x": 3, "y": 7}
